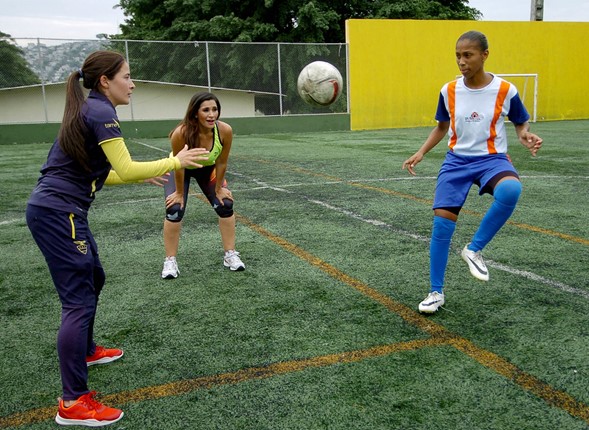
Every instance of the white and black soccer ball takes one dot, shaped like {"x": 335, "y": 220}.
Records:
{"x": 320, "y": 83}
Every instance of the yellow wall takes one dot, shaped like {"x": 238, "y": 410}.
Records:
{"x": 397, "y": 67}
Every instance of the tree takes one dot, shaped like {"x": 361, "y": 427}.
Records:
{"x": 311, "y": 21}
{"x": 15, "y": 71}
{"x": 312, "y": 24}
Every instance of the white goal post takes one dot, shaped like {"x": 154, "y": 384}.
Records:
{"x": 524, "y": 91}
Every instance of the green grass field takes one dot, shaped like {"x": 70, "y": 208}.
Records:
{"x": 321, "y": 331}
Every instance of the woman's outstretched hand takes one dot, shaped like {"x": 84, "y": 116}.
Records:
{"x": 189, "y": 157}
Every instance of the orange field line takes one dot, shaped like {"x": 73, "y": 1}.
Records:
{"x": 523, "y": 226}
{"x": 488, "y": 359}
{"x": 439, "y": 336}
{"x": 473, "y": 213}
{"x": 177, "y": 388}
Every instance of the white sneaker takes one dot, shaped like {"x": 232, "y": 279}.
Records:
{"x": 233, "y": 261}
{"x": 432, "y": 302}
{"x": 170, "y": 268}
{"x": 477, "y": 266}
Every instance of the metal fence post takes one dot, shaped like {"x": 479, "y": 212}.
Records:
{"x": 127, "y": 57}
{"x": 208, "y": 66}
{"x": 42, "y": 67}
{"x": 279, "y": 79}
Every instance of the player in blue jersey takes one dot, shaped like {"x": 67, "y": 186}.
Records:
{"x": 201, "y": 128}
{"x": 472, "y": 111}
{"x": 88, "y": 153}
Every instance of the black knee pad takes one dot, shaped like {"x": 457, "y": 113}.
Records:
{"x": 174, "y": 213}
{"x": 225, "y": 210}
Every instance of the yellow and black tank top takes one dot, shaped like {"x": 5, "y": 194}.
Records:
{"x": 215, "y": 151}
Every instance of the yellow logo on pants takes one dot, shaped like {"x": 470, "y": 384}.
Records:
{"x": 81, "y": 245}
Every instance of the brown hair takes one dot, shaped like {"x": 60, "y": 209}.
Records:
{"x": 73, "y": 130}
{"x": 190, "y": 121}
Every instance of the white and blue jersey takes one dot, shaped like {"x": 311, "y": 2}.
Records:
{"x": 477, "y": 116}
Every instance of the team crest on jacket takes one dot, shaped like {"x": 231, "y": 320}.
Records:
{"x": 81, "y": 245}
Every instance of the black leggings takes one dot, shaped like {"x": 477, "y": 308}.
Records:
{"x": 206, "y": 180}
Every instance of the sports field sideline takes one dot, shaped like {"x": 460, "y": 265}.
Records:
{"x": 321, "y": 331}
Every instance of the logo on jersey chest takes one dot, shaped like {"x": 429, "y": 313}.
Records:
{"x": 474, "y": 117}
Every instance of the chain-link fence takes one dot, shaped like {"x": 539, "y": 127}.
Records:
{"x": 269, "y": 71}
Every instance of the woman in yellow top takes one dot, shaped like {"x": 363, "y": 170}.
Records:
{"x": 201, "y": 128}
{"x": 89, "y": 152}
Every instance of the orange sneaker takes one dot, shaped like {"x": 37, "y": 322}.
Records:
{"x": 104, "y": 355}
{"x": 86, "y": 411}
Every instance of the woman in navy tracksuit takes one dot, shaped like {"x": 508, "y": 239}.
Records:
{"x": 88, "y": 153}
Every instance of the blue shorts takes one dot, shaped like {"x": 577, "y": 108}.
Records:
{"x": 460, "y": 172}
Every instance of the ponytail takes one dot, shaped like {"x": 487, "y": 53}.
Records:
{"x": 73, "y": 130}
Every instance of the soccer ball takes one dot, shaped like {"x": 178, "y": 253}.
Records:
{"x": 319, "y": 83}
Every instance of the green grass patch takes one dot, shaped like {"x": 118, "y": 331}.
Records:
{"x": 330, "y": 227}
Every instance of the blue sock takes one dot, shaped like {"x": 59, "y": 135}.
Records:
{"x": 439, "y": 249}
{"x": 506, "y": 195}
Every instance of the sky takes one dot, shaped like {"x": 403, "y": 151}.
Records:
{"x": 520, "y": 10}
{"x": 60, "y": 19}
{"x": 84, "y": 19}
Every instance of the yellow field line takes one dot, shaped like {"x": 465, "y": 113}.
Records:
{"x": 207, "y": 382}
{"x": 523, "y": 226}
{"x": 549, "y": 232}
{"x": 550, "y": 395}
{"x": 488, "y": 359}
{"x": 439, "y": 336}
{"x": 263, "y": 372}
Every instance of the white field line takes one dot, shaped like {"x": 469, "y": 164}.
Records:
{"x": 11, "y": 221}
{"x": 513, "y": 271}
{"x": 377, "y": 223}
{"x": 15, "y": 220}
{"x": 263, "y": 185}
{"x": 148, "y": 146}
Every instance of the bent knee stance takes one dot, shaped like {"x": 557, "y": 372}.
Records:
{"x": 507, "y": 192}
{"x": 225, "y": 210}
{"x": 174, "y": 213}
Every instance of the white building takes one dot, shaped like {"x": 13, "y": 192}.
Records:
{"x": 150, "y": 101}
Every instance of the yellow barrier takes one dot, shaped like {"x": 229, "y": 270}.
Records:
{"x": 397, "y": 67}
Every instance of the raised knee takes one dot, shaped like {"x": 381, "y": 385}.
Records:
{"x": 507, "y": 192}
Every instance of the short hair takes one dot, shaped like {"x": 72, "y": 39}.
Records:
{"x": 475, "y": 36}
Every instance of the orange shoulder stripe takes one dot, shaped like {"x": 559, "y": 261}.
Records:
{"x": 452, "y": 106}
{"x": 503, "y": 89}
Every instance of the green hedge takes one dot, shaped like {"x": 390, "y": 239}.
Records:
{"x": 34, "y": 133}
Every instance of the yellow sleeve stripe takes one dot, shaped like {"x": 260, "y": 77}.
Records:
{"x": 130, "y": 171}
